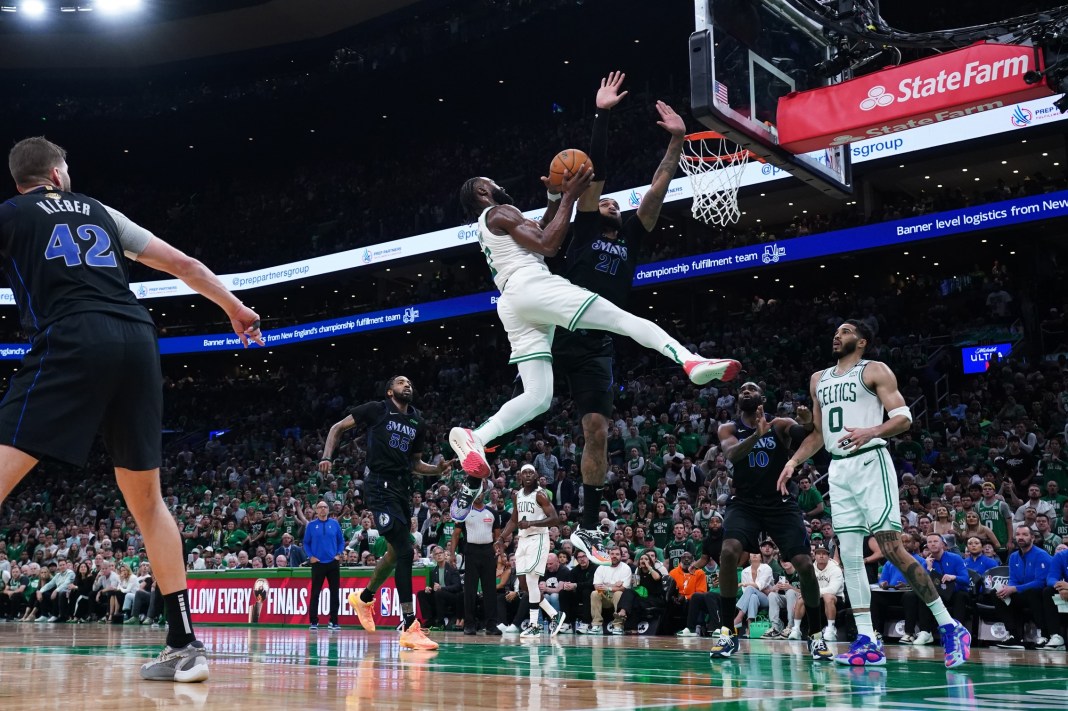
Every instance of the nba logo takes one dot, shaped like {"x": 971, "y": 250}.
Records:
{"x": 385, "y": 606}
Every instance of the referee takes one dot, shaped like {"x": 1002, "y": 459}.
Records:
{"x": 324, "y": 545}
{"x": 480, "y": 565}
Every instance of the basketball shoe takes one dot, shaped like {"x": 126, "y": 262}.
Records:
{"x": 186, "y": 664}
{"x": 819, "y": 650}
{"x": 591, "y": 545}
{"x": 363, "y": 610}
{"x": 709, "y": 369}
{"x": 415, "y": 638}
{"x": 863, "y": 653}
{"x": 531, "y": 631}
{"x": 556, "y": 624}
{"x": 471, "y": 451}
{"x": 725, "y": 645}
{"x": 957, "y": 641}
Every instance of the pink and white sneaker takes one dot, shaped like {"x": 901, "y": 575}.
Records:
{"x": 470, "y": 450}
{"x": 709, "y": 369}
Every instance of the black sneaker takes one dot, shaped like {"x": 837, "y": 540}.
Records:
{"x": 1010, "y": 642}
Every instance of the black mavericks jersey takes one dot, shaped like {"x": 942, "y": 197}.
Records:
{"x": 605, "y": 267}
{"x": 757, "y": 473}
{"x": 393, "y": 439}
{"x": 62, "y": 255}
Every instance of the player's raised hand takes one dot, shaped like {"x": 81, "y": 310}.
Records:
{"x": 246, "y": 324}
{"x": 576, "y": 183}
{"x": 762, "y": 424}
{"x": 609, "y": 95}
{"x": 804, "y": 415}
{"x": 445, "y": 465}
{"x": 325, "y": 466}
{"x": 549, "y": 187}
{"x": 669, "y": 120}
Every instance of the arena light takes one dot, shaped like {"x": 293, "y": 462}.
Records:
{"x": 33, "y": 8}
{"x": 115, "y": 7}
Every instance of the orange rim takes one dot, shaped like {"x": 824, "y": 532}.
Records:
{"x": 736, "y": 157}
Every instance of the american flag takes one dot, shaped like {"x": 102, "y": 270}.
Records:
{"x": 721, "y": 92}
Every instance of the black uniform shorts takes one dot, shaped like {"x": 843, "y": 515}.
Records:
{"x": 584, "y": 361}
{"x": 88, "y": 373}
{"x": 780, "y": 520}
{"x": 392, "y": 513}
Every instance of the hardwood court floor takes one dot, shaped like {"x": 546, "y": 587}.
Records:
{"x": 73, "y": 667}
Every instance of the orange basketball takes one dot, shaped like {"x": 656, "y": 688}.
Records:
{"x": 570, "y": 159}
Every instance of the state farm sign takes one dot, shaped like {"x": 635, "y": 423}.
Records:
{"x": 978, "y": 78}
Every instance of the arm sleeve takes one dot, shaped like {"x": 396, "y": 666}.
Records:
{"x": 599, "y": 145}
{"x": 132, "y": 236}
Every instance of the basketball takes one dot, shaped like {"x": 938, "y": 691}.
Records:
{"x": 570, "y": 160}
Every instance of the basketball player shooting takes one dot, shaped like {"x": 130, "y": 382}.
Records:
{"x": 533, "y": 515}
{"x": 533, "y": 303}
{"x": 602, "y": 256}
{"x": 848, "y": 401}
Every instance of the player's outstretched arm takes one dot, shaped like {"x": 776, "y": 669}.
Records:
{"x": 325, "y": 465}
{"x": 607, "y": 98}
{"x": 653, "y": 200}
{"x": 160, "y": 255}
{"x": 509, "y": 220}
{"x": 422, "y": 468}
{"x": 553, "y": 204}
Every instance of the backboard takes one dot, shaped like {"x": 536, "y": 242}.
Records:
{"x": 744, "y": 55}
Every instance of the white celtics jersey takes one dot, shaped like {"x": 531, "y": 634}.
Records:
{"x": 530, "y": 510}
{"x": 503, "y": 254}
{"x": 845, "y": 401}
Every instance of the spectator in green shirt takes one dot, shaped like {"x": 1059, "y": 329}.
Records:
{"x": 809, "y": 499}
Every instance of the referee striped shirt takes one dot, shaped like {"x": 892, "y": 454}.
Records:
{"x": 479, "y": 526}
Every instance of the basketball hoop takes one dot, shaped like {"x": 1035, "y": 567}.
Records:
{"x": 715, "y": 165}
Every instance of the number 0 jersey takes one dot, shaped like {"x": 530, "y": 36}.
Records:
{"x": 845, "y": 401}
{"x": 62, "y": 254}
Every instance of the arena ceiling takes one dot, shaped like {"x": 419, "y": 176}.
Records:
{"x": 166, "y": 31}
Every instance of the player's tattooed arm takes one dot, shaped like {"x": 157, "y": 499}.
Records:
{"x": 653, "y": 200}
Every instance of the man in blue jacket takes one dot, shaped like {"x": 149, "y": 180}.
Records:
{"x": 951, "y": 579}
{"x": 324, "y": 544}
{"x": 1029, "y": 568}
{"x": 1057, "y": 582}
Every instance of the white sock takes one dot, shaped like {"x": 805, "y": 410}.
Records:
{"x": 856, "y": 580}
{"x": 941, "y": 614}
{"x": 548, "y": 609}
{"x": 535, "y": 399}
{"x": 603, "y": 315}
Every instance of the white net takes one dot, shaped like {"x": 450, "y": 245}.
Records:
{"x": 715, "y": 166}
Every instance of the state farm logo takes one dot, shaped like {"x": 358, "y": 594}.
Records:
{"x": 877, "y": 96}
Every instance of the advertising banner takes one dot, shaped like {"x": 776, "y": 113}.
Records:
{"x": 951, "y": 85}
{"x": 978, "y": 359}
{"x": 758, "y": 256}
{"x": 285, "y": 600}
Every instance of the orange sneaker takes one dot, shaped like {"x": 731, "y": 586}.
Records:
{"x": 415, "y": 638}
{"x": 363, "y": 610}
